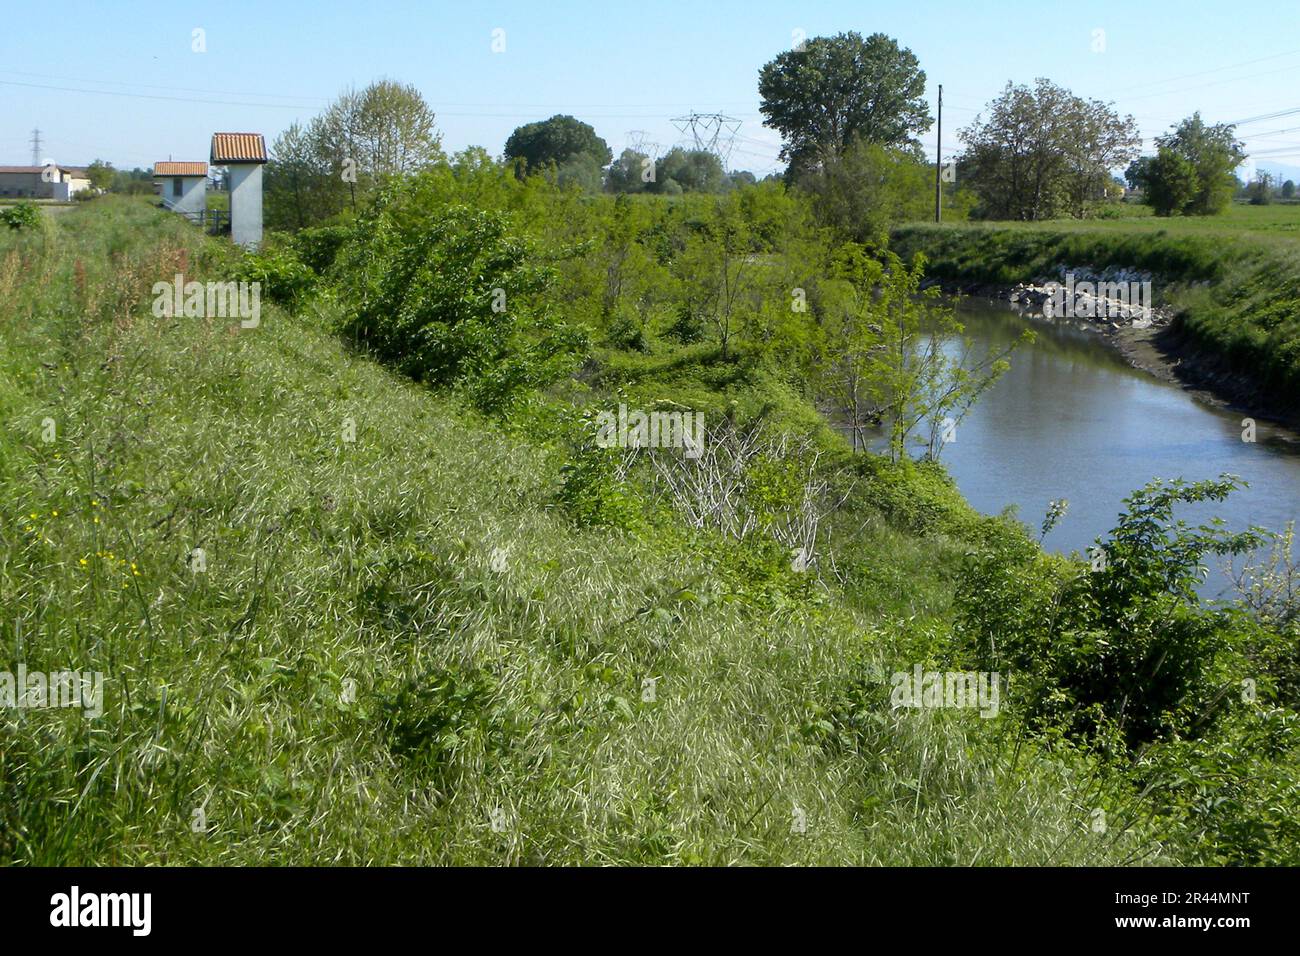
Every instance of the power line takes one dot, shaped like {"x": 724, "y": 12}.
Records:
{"x": 1265, "y": 116}
{"x": 154, "y": 86}
{"x": 1217, "y": 69}
{"x": 149, "y": 96}
{"x": 712, "y": 132}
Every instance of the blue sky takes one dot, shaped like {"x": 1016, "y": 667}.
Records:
{"x": 120, "y": 80}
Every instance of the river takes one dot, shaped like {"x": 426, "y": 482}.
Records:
{"x": 1071, "y": 419}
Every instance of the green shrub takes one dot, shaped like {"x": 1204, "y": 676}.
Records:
{"x": 283, "y": 278}
{"x": 1231, "y": 800}
{"x": 1119, "y": 648}
{"x": 318, "y": 247}
{"x": 24, "y": 215}
{"x": 592, "y": 490}
{"x": 451, "y": 298}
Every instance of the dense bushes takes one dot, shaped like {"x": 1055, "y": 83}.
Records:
{"x": 452, "y": 297}
{"x": 1118, "y": 647}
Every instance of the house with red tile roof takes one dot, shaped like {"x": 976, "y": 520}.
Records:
{"x": 182, "y": 187}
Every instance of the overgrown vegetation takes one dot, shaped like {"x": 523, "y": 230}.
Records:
{"x": 420, "y": 635}
{"x": 354, "y": 676}
{"x": 535, "y": 522}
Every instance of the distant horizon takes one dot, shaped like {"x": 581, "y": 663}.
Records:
{"x": 140, "y": 94}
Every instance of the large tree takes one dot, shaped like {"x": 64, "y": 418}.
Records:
{"x": 1042, "y": 152}
{"x": 1194, "y": 170}
{"x": 364, "y": 136}
{"x": 835, "y": 90}
{"x": 560, "y": 140}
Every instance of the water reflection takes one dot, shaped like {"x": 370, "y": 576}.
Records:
{"x": 1072, "y": 420}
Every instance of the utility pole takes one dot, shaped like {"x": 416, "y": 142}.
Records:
{"x": 36, "y": 147}
{"x": 938, "y": 163}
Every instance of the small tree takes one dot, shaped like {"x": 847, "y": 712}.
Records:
{"x": 1193, "y": 171}
{"x": 1260, "y": 190}
{"x": 886, "y": 355}
{"x": 1168, "y": 181}
{"x": 101, "y": 174}
{"x": 689, "y": 171}
{"x": 716, "y": 270}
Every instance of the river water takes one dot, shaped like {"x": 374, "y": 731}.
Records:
{"x": 1071, "y": 419}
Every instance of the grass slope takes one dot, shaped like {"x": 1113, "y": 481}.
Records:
{"x": 496, "y": 716}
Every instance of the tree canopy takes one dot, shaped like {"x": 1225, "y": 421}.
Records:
{"x": 1043, "y": 152}
{"x": 317, "y": 170}
{"x": 835, "y": 90}
{"x": 1193, "y": 172}
{"x": 560, "y": 140}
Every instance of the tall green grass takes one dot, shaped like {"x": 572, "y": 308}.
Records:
{"x": 401, "y": 651}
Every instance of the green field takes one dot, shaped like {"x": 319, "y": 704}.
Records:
{"x": 1276, "y": 221}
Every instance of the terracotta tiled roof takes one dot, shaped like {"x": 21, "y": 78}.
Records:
{"x": 238, "y": 148}
{"x": 180, "y": 169}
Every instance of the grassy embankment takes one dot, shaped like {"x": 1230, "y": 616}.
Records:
{"x": 1234, "y": 279}
{"x": 230, "y": 733}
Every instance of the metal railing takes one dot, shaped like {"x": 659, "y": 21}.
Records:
{"x": 215, "y": 222}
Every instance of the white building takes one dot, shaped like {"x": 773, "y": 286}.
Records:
{"x": 243, "y": 154}
{"x": 43, "y": 182}
{"x": 182, "y": 187}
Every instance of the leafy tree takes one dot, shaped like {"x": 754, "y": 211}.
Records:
{"x": 688, "y": 170}
{"x": 717, "y": 271}
{"x": 1211, "y": 153}
{"x": 632, "y": 172}
{"x": 839, "y": 89}
{"x": 385, "y": 130}
{"x": 1288, "y": 189}
{"x": 101, "y": 174}
{"x": 1168, "y": 181}
{"x": 339, "y": 158}
{"x": 862, "y": 192}
{"x": 885, "y": 356}
{"x": 1260, "y": 190}
{"x": 301, "y": 186}
{"x": 557, "y": 141}
{"x": 1042, "y": 152}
